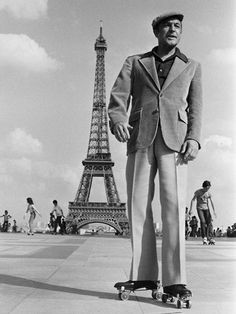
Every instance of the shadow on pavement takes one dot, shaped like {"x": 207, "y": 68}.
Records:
{"x": 22, "y": 282}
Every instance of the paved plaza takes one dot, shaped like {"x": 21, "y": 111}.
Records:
{"x": 76, "y": 274}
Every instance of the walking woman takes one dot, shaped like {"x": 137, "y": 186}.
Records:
{"x": 32, "y": 214}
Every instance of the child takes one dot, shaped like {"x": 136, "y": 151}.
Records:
{"x": 14, "y": 227}
{"x": 6, "y": 221}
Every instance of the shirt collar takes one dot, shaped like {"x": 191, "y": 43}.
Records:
{"x": 177, "y": 53}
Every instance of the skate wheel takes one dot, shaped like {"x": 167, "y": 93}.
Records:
{"x": 188, "y": 304}
{"x": 164, "y": 298}
{"x": 159, "y": 295}
{"x": 179, "y": 304}
{"x": 124, "y": 295}
{"x": 156, "y": 295}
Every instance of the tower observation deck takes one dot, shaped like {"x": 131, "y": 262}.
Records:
{"x": 98, "y": 162}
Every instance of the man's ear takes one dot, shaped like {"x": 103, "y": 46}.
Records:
{"x": 156, "y": 31}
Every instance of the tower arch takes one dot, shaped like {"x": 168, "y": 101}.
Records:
{"x": 98, "y": 162}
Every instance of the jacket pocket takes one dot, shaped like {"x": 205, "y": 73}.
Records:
{"x": 134, "y": 121}
{"x": 182, "y": 115}
{"x": 135, "y": 116}
{"x": 182, "y": 126}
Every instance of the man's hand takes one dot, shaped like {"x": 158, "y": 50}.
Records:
{"x": 190, "y": 150}
{"x": 121, "y": 131}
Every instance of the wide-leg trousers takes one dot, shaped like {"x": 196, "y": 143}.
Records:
{"x": 141, "y": 169}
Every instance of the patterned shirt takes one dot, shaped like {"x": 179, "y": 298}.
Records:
{"x": 202, "y": 197}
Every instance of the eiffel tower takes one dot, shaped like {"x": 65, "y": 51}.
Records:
{"x": 98, "y": 163}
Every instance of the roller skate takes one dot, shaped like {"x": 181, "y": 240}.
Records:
{"x": 179, "y": 292}
{"x": 205, "y": 242}
{"x": 125, "y": 288}
{"x": 211, "y": 242}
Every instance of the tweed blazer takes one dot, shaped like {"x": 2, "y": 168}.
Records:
{"x": 137, "y": 98}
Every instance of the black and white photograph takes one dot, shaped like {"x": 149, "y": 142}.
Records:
{"x": 117, "y": 156}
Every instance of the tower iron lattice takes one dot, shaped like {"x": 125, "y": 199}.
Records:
{"x": 98, "y": 163}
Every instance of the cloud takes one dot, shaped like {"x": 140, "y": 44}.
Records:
{"x": 217, "y": 160}
{"x": 17, "y": 162}
{"x": 22, "y": 143}
{"x": 23, "y": 52}
{"x": 47, "y": 170}
{"x": 219, "y": 141}
{"x": 223, "y": 56}
{"x": 25, "y": 9}
{"x": 24, "y": 170}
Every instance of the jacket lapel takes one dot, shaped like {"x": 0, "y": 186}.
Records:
{"x": 177, "y": 68}
{"x": 148, "y": 64}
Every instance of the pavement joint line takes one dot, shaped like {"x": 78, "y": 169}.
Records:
{"x": 205, "y": 273}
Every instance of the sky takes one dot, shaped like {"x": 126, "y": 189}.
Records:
{"x": 47, "y": 71}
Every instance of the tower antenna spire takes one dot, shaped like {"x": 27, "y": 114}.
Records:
{"x": 101, "y": 25}
{"x": 100, "y": 41}
{"x": 98, "y": 163}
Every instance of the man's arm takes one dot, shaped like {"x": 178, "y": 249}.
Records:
{"x": 191, "y": 145}
{"x": 191, "y": 205}
{"x": 37, "y": 212}
{"x": 121, "y": 131}
{"x": 213, "y": 207}
{"x": 119, "y": 103}
{"x": 62, "y": 212}
{"x": 190, "y": 150}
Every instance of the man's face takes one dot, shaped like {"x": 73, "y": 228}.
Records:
{"x": 169, "y": 32}
{"x": 206, "y": 188}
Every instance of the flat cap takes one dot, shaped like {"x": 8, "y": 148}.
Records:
{"x": 165, "y": 16}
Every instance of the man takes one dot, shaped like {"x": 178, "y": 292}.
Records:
{"x": 163, "y": 89}
{"x": 203, "y": 196}
{"x": 59, "y": 214}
